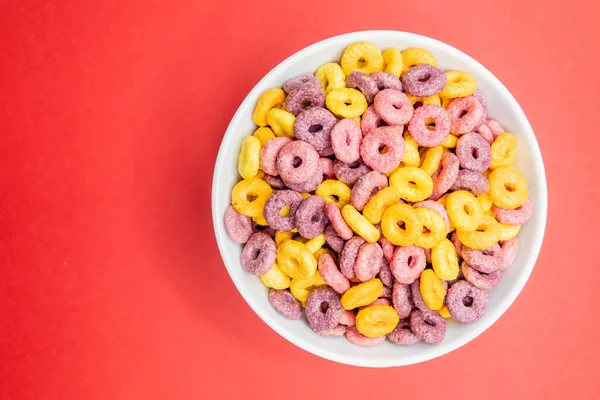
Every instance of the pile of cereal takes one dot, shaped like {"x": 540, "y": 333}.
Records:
{"x": 378, "y": 197}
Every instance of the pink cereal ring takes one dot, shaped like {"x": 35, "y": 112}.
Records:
{"x": 435, "y": 206}
{"x": 349, "y": 173}
{"x": 383, "y": 148}
{"x": 333, "y": 239}
{"x": 371, "y": 120}
{"x": 327, "y": 165}
{"x": 473, "y": 152}
{"x": 393, "y": 106}
{"x": 366, "y": 187}
{"x": 457, "y": 244}
{"x": 386, "y": 80}
{"x": 348, "y": 318}
{"x": 407, "y": 264}
{"x": 466, "y": 303}
{"x": 465, "y": 113}
{"x": 269, "y": 153}
{"x": 310, "y": 185}
{"x": 488, "y": 260}
{"x": 355, "y": 337}
{"x": 368, "y": 261}
{"x": 518, "y": 216}
{"x": 297, "y": 162}
{"x": 337, "y": 221}
{"x": 510, "y": 249}
{"x": 419, "y": 130}
{"x": 385, "y": 273}
{"x": 348, "y": 256}
{"x": 479, "y": 96}
{"x": 445, "y": 176}
{"x": 494, "y": 127}
{"x": 472, "y": 181}
{"x": 403, "y": 334}
{"x": 345, "y": 140}
{"x": 332, "y": 275}
{"x": 429, "y": 326}
{"x": 311, "y": 218}
{"x": 485, "y": 132}
{"x": 402, "y": 299}
{"x": 275, "y": 181}
{"x": 323, "y": 309}
{"x": 339, "y": 330}
{"x": 258, "y": 254}
{"x": 388, "y": 248}
{"x": 285, "y": 304}
{"x": 481, "y": 280}
{"x": 237, "y": 226}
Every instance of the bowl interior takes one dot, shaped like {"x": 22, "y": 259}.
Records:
{"x": 501, "y": 106}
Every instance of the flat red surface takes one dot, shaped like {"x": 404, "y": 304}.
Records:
{"x": 111, "y": 284}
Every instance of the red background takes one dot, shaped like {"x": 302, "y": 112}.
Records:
{"x": 111, "y": 284}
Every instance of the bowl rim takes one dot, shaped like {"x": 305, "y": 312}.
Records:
{"x": 533, "y": 251}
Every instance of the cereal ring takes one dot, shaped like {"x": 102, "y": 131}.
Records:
{"x": 431, "y": 159}
{"x": 377, "y": 320}
{"x": 388, "y": 248}
{"x": 435, "y": 206}
{"x": 379, "y": 302}
{"x": 355, "y": 337}
{"x": 337, "y": 222}
{"x": 378, "y": 203}
{"x": 393, "y": 106}
{"x": 346, "y": 102}
{"x": 285, "y": 304}
{"x": 281, "y": 122}
{"x": 339, "y": 330}
{"x": 403, "y": 334}
{"x": 316, "y": 243}
{"x": 303, "y": 98}
{"x": 413, "y": 183}
{"x": 333, "y": 191}
{"x": 479, "y": 97}
{"x": 408, "y": 263}
{"x": 301, "y": 288}
{"x": 349, "y": 254}
{"x": 269, "y": 152}
{"x": 264, "y": 134}
{"x": 473, "y": 152}
{"x": 314, "y": 127}
{"x": 250, "y": 195}
{"x": 311, "y": 219}
{"x": 504, "y": 150}
{"x": 423, "y": 81}
{"x": 331, "y": 76}
{"x": 333, "y": 239}
{"x": 345, "y": 140}
{"x": 444, "y": 260}
{"x": 280, "y": 237}
{"x": 362, "y": 294}
{"x": 349, "y": 173}
{"x": 360, "y": 224}
{"x": 471, "y": 181}
{"x": 494, "y": 127}
{"x": 272, "y": 98}
{"x": 417, "y": 299}
{"x": 248, "y": 157}
{"x": 297, "y": 161}
{"x": 457, "y": 244}
{"x": 348, "y": 318}
{"x": 420, "y": 101}
{"x": 385, "y": 273}
{"x": 466, "y": 303}
{"x": 237, "y": 226}
{"x": 385, "y": 80}
{"x": 485, "y": 261}
{"x": 364, "y": 83}
{"x": 402, "y": 299}
{"x": 518, "y": 216}
{"x": 459, "y": 84}
{"x": 465, "y": 114}
{"x": 295, "y": 260}
{"x": 400, "y": 225}
{"x": 364, "y": 57}
{"x": 508, "y": 188}
{"x": 432, "y": 228}
{"x": 327, "y": 165}
{"x": 382, "y": 149}
{"x": 392, "y": 59}
{"x": 510, "y": 249}
{"x": 275, "y": 278}
{"x": 275, "y": 181}
{"x": 422, "y": 133}
{"x": 483, "y": 237}
{"x": 274, "y": 209}
{"x": 386, "y": 293}
{"x": 481, "y": 280}
{"x": 323, "y": 309}
{"x": 310, "y": 185}
{"x": 258, "y": 255}
{"x": 428, "y": 326}
{"x": 301, "y": 82}
{"x": 445, "y": 176}
{"x": 416, "y": 56}
{"x": 485, "y": 133}
{"x": 332, "y": 275}
{"x": 432, "y": 289}
{"x": 464, "y": 210}
{"x": 368, "y": 261}
{"x": 371, "y": 120}
{"x": 366, "y": 187}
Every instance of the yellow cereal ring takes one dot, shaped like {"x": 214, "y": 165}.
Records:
{"x": 433, "y": 221}
{"x": 248, "y": 159}
{"x": 315, "y": 243}
{"x": 485, "y": 201}
{"x": 413, "y": 183}
{"x": 508, "y": 232}
{"x": 464, "y": 210}
{"x": 446, "y": 101}
{"x": 377, "y": 321}
{"x": 508, "y": 188}
{"x": 295, "y": 260}
{"x": 458, "y": 84}
{"x": 360, "y": 224}
{"x": 260, "y": 220}
{"x": 444, "y": 260}
{"x": 301, "y": 288}
{"x": 275, "y": 278}
{"x": 431, "y": 159}
{"x": 362, "y": 294}
{"x": 280, "y": 237}
{"x": 264, "y": 134}
{"x": 393, "y": 232}
{"x": 334, "y": 191}
{"x": 449, "y": 142}
{"x": 375, "y": 207}
{"x": 416, "y": 56}
{"x": 250, "y": 195}
{"x": 392, "y": 59}
{"x": 358, "y": 120}
{"x": 435, "y": 100}
{"x": 281, "y": 122}
{"x": 485, "y": 236}
{"x": 272, "y": 98}
{"x": 324, "y": 250}
{"x": 432, "y": 290}
{"x": 504, "y": 150}
{"x": 411, "y": 156}
{"x": 444, "y": 312}
{"x": 331, "y": 76}
{"x": 346, "y": 102}
{"x": 364, "y": 57}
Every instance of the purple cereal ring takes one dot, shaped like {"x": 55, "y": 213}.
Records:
{"x": 314, "y": 127}
{"x": 419, "y": 130}
{"x": 333, "y": 239}
{"x": 428, "y": 326}
{"x": 383, "y": 148}
{"x": 479, "y": 97}
{"x": 481, "y": 280}
{"x": 297, "y": 162}
{"x": 327, "y": 165}
{"x": 368, "y": 261}
{"x": 402, "y": 299}
{"x": 518, "y": 216}
{"x": 364, "y": 83}
{"x": 386, "y": 293}
{"x": 385, "y": 273}
{"x": 435, "y": 206}
{"x": 355, "y": 337}
{"x": 465, "y": 113}
{"x": 303, "y": 98}
{"x": 488, "y": 260}
{"x": 366, "y": 187}
{"x": 274, "y": 205}
{"x": 267, "y": 230}
{"x": 466, "y": 303}
{"x": 445, "y": 176}
{"x": 269, "y": 153}
{"x": 388, "y": 248}
{"x": 473, "y": 152}
{"x": 386, "y": 80}
{"x": 339, "y": 330}
{"x": 485, "y": 133}
{"x": 423, "y": 80}
{"x": 402, "y": 334}
{"x": 237, "y": 226}
{"x": 457, "y": 243}
{"x": 371, "y": 120}
{"x": 494, "y": 127}
{"x": 323, "y": 309}
{"x": 393, "y": 106}
{"x": 407, "y": 264}
{"x": 275, "y": 181}
{"x": 337, "y": 221}
{"x": 311, "y": 219}
{"x": 348, "y": 318}
{"x": 348, "y": 256}
{"x": 472, "y": 181}
{"x": 332, "y": 275}
{"x": 300, "y": 82}
{"x": 258, "y": 254}
{"x": 417, "y": 299}
{"x": 510, "y": 249}
{"x": 310, "y": 185}
{"x": 345, "y": 140}
{"x": 285, "y": 304}
{"x": 349, "y": 173}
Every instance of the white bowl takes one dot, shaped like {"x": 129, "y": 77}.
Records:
{"x": 501, "y": 105}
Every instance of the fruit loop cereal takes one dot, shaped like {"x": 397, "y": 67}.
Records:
{"x": 378, "y": 197}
